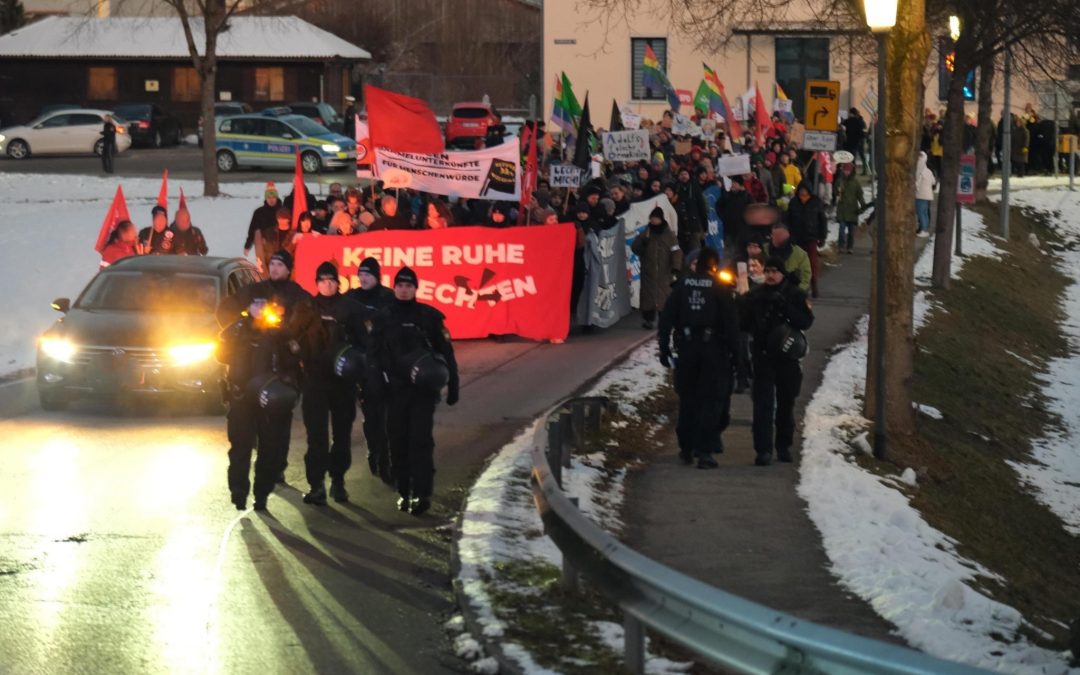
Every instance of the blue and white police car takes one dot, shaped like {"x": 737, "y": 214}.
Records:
{"x": 270, "y": 139}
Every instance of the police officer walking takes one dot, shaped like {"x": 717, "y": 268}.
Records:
{"x": 329, "y": 390}
{"x": 267, "y": 327}
{"x": 411, "y": 347}
{"x": 108, "y": 144}
{"x": 775, "y": 314}
{"x": 374, "y": 297}
{"x": 701, "y": 313}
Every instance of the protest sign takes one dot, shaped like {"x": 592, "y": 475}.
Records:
{"x": 626, "y": 146}
{"x": 505, "y": 281}
{"x": 566, "y": 175}
{"x": 491, "y": 173}
{"x": 733, "y": 165}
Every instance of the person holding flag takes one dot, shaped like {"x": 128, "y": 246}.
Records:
{"x": 112, "y": 243}
{"x": 187, "y": 239}
{"x": 158, "y": 238}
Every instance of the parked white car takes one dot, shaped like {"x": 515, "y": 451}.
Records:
{"x": 62, "y": 132}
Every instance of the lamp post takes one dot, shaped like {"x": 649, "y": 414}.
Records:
{"x": 880, "y": 17}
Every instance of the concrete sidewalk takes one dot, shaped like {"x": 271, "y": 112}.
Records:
{"x": 743, "y": 528}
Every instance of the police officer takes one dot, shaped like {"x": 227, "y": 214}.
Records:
{"x": 108, "y": 144}
{"x": 267, "y": 327}
{"x": 329, "y": 394}
{"x": 701, "y": 313}
{"x": 774, "y": 314}
{"x": 411, "y": 347}
{"x": 373, "y": 296}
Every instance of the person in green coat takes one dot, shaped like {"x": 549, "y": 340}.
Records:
{"x": 796, "y": 260}
{"x": 848, "y": 197}
{"x": 657, "y": 247}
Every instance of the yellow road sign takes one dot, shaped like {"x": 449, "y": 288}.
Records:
{"x": 822, "y": 105}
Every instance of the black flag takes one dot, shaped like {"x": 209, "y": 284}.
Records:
{"x": 583, "y": 148}
{"x": 616, "y": 118}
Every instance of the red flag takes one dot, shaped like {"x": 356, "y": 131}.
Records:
{"x": 117, "y": 211}
{"x": 299, "y": 194}
{"x": 734, "y": 128}
{"x": 163, "y": 193}
{"x": 183, "y": 202}
{"x": 528, "y": 183}
{"x": 761, "y": 117}
{"x": 401, "y": 123}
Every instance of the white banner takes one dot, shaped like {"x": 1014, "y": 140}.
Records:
{"x": 626, "y": 146}
{"x": 733, "y": 165}
{"x": 363, "y": 149}
{"x": 492, "y": 173}
{"x": 566, "y": 175}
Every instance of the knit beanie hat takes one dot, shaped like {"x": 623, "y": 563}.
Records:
{"x": 326, "y": 269}
{"x": 271, "y": 189}
{"x": 405, "y": 276}
{"x": 283, "y": 257}
{"x": 371, "y": 266}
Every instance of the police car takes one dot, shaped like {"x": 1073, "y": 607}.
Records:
{"x": 270, "y": 139}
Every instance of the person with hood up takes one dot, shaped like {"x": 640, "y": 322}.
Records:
{"x": 849, "y": 200}
{"x": 924, "y": 194}
{"x": 809, "y": 228}
{"x": 264, "y": 217}
{"x": 661, "y": 259}
{"x": 187, "y": 239}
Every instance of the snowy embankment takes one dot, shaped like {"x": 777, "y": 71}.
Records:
{"x": 500, "y": 524}
{"x": 880, "y": 546}
{"x": 49, "y": 228}
{"x": 1055, "y": 471}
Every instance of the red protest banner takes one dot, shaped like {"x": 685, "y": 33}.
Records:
{"x": 505, "y": 281}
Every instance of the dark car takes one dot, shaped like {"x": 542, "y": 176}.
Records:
{"x": 150, "y": 124}
{"x": 225, "y": 109}
{"x": 144, "y": 326}
{"x": 322, "y": 113}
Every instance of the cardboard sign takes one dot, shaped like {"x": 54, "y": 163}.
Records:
{"x": 626, "y": 146}
{"x": 630, "y": 120}
{"x": 566, "y": 175}
{"x": 513, "y": 280}
{"x": 683, "y": 147}
{"x": 819, "y": 140}
{"x": 733, "y": 165}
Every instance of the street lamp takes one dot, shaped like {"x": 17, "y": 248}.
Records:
{"x": 880, "y": 17}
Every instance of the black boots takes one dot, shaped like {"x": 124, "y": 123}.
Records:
{"x": 337, "y": 490}
{"x": 317, "y": 495}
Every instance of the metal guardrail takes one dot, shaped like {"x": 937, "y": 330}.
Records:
{"x": 716, "y": 626}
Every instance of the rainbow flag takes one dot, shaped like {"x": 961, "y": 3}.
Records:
{"x": 711, "y": 89}
{"x": 566, "y": 111}
{"x": 717, "y": 88}
{"x": 782, "y": 104}
{"x": 654, "y": 78}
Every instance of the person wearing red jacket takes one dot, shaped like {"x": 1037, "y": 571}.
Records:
{"x": 122, "y": 243}
{"x": 756, "y": 189}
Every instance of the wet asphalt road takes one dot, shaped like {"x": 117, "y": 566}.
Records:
{"x": 183, "y": 162}
{"x": 120, "y": 552}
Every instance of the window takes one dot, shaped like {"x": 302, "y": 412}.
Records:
{"x": 185, "y": 85}
{"x": 278, "y": 129}
{"x": 637, "y": 68}
{"x": 245, "y": 126}
{"x": 799, "y": 60}
{"x": 85, "y": 119}
{"x": 269, "y": 84}
{"x": 56, "y": 121}
{"x": 102, "y": 84}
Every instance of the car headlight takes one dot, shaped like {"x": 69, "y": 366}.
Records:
{"x": 1, "y": 138}
{"x": 60, "y": 349}
{"x": 330, "y": 147}
{"x": 186, "y": 355}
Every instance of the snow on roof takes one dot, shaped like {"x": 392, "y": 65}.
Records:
{"x": 248, "y": 37}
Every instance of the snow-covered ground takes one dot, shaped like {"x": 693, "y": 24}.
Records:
{"x": 501, "y": 524}
{"x": 50, "y": 224}
{"x": 879, "y": 545}
{"x": 1055, "y": 471}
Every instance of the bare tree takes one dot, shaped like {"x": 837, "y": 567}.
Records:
{"x": 984, "y": 133}
{"x": 710, "y": 23}
{"x": 213, "y": 17}
{"x": 988, "y": 28}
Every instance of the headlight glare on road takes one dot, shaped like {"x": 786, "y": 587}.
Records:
{"x": 190, "y": 354}
{"x": 330, "y": 147}
{"x": 60, "y": 349}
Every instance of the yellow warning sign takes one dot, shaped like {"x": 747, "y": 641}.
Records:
{"x": 822, "y": 105}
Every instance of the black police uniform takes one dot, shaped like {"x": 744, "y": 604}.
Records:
{"x": 252, "y": 353}
{"x": 777, "y": 378}
{"x": 401, "y": 332}
{"x": 702, "y": 315}
{"x": 329, "y": 399}
{"x": 108, "y": 146}
{"x": 372, "y": 403}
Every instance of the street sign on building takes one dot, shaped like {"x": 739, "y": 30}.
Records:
{"x": 820, "y": 140}
{"x": 822, "y": 105}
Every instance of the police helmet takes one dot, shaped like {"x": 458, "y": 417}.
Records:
{"x": 428, "y": 371}
{"x": 349, "y": 363}
{"x": 787, "y": 342}
{"x": 273, "y": 394}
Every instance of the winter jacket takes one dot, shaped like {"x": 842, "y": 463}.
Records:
{"x": 263, "y": 217}
{"x": 269, "y": 241}
{"x": 661, "y": 259}
{"x": 766, "y": 307}
{"x": 1021, "y": 139}
{"x": 807, "y": 221}
{"x": 848, "y": 197}
{"x": 924, "y": 179}
{"x": 188, "y": 242}
{"x": 792, "y": 175}
{"x": 796, "y": 262}
{"x": 690, "y": 207}
{"x": 117, "y": 250}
